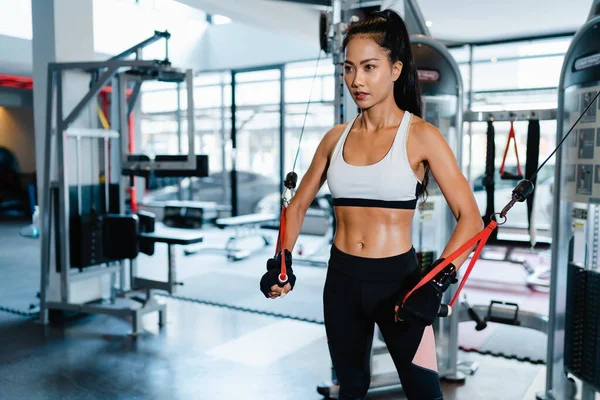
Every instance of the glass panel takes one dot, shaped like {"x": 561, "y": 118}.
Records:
{"x": 158, "y": 126}
{"x": 207, "y": 96}
{"x": 319, "y": 121}
{"x": 515, "y": 100}
{"x": 460, "y": 54}
{"x": 150, "y": 86}
{"x": 258, "y": 134}
{"x": 517, "y": 74}
{"x": 307, "y": 69}
{"x": 464, "y": 72}
{"x": 320, "y": 118}
{"x": 521, "y": 49}
{"x": 513, "y": 76}
{"x": 160, "y": 100}
{"x": 257, "y": 93}
{"x": 212, "y": 78}
{"x": 257, "y": 76}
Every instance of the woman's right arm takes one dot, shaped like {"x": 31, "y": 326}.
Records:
{"x": 309, "y": 186}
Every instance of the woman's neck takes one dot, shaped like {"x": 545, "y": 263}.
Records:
{"x": 381, "y": 116}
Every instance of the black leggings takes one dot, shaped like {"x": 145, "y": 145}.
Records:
{"x": 358, "y": 293}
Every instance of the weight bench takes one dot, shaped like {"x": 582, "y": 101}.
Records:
{"x": 141, "y": 285}
{"x": 245, "y": 226}
{"x": 171, "y": 239}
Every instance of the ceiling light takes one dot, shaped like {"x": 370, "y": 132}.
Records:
{"x": 220, "y": 19}
{"x": 428, "y": 23}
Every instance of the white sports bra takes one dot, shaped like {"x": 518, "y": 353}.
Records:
{"x": 389, "y": 183}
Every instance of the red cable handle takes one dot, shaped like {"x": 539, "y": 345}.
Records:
{"x": 511, "y": 136}
{"x": 280, "y": 241}
{"x": 480, "y": 237}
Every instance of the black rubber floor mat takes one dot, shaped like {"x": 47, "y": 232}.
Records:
{"x": 514, "y": 342}
{"x": 242, "y": 293}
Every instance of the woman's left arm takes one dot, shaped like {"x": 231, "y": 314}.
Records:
{"x": 454, "y": 187}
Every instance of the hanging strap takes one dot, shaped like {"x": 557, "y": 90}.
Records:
{"x": 531, "y": 161}
{"x": 489, "y": 177}
{"x": 280, "y": 241}
{"x": 506, "y": 175}
{"x": 480, "y": 237}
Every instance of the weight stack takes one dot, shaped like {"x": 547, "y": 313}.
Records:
{"x": 582, "y": 332}
{"x": 425, "y": 258}
{"x": 85, "y": 245}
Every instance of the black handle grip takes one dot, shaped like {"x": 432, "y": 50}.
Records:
{"x": 282, "y": 281}
{"x": 444, "y": 311}
{"x": 523, "y": 190}
{"x": 481, "y": 324}
{"x": 290, "y": 180}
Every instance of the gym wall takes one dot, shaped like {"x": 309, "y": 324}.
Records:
{"x": 17, "y": 135}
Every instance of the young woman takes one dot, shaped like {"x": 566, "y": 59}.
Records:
{"x": 376, "y": 167}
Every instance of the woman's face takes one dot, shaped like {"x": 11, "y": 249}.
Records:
{"x": 369, "y": 74}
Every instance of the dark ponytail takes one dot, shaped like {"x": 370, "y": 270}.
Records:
{"x": 388, "y": 30}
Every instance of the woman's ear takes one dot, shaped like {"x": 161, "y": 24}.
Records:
{"x": 396, "y": 70}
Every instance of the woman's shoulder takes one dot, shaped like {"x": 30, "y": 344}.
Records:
{"x": 335, "y": 132}
{"x": 423, "y": 131}
{"x": 331, "y": 137}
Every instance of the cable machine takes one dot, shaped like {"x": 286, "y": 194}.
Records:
{"x": 442, "y": 94}
{"x": 88, "y": 232}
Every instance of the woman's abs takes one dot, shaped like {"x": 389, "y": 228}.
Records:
{"x": 373, "y": 232}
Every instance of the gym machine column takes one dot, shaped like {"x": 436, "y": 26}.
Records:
{"x": 442, "y": 97}
{"x": 573, "y": 334}
{"x": 442, "y": 94}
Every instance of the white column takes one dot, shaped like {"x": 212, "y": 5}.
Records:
{"x": 63, "y": 31}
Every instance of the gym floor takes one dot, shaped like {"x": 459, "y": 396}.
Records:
{"x": 204, "y": 351}
{"x": 200, "y": 354}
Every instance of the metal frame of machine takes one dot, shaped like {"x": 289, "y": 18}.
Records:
{"x": 446, "y": 329}
{"x": 507, "y": 115}
{"x": 57, "y": 207}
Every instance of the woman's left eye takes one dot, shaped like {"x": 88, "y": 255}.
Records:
{"x": 369, "y": 66}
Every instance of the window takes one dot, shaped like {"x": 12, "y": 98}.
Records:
{"x": 15, "y": 19}
{"x": 521, "y": 75}
{"x": 513, "y": 76}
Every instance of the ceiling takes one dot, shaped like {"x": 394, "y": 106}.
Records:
{"x": 473, "y": 21}
{"x": 485, "y": 20}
